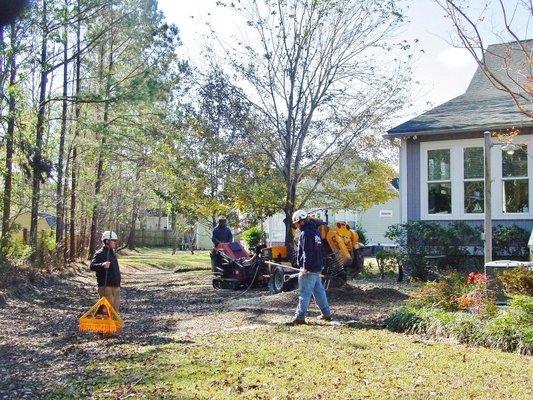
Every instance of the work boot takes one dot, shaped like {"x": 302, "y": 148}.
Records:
{"x": 323, "y": 317}
{"x": 296, "y": 321}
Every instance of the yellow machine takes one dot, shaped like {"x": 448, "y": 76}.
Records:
{"x": 344, "y": 242}
{"x": 342, "y": 256}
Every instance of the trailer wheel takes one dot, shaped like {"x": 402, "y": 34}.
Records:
{"x": 276, "y": 282}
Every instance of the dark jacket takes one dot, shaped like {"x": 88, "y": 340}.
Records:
{"x": 113, "y": 274}
{"x": 310, "y": 253}
{"x": 221, "y": 234}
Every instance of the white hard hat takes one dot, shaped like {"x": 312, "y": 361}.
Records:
{"x": 109, "y": 235}
{"x": 298, "y": 215}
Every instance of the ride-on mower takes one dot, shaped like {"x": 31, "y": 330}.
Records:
{"x": 234, "y": 268}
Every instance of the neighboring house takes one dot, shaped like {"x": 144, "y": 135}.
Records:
{"x": 442, "y": 156}
{"x": 274, "y": 226}
{"x": 203, "y": 236}
{"x": 376, "y": 220}
{"x": 46, "y": 224}
{"x": 154, "y": 220}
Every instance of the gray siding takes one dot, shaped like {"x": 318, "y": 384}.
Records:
{"x": 413, "y": 180}
{"x": 526, "y": 224}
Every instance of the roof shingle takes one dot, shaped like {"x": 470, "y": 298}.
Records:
{"x": 482, "y": 106}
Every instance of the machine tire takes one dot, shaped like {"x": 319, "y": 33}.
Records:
{"x": 276, "y": 284}
{"x": 216, "y": 284}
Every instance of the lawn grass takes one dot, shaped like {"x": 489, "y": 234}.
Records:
{"x": 309, "y": 362}
{"x": 162, "y": 257}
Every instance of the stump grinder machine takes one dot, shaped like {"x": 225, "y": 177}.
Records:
{"x": 234, "y": 268}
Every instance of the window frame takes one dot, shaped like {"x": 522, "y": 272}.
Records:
{"x": 465, "y": 180}
{"x": 516, "y": 178}
{"x": 456, "y": 148}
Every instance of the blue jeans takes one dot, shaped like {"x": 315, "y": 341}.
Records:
{"x": 311, "y": 285}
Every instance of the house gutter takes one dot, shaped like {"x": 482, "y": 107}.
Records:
{"x": 476, "y": 129}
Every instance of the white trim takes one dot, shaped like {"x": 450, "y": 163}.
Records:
{"x": 457, "y": 179}
{"x": 403, "y": 181}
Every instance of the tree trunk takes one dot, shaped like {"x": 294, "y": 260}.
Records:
{"x": 77, "y": 112}
{"x": 100, "y": 165}
{"x": 39, "y": 130}
{"x": 97, "y": 189}
{"x": 64, "y": 240}
{"x": 59, "y": 189}
{"x": 72, "y": 225}
{"x": 8, "y": 178}
{"x": 289, "y": 210}
{"x": 134, "y": 212}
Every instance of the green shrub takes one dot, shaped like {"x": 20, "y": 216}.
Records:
{"x": 443, "y": 294}
{"x": 467, "y": 328}
{"x": 420, "y": 239}
{"x": 388, "y": 261}
{"x": 517, "y": 281}
{"x": 252, "y": 236}
{"x": 508, "y": 330}
{"x": 14, "y": 248}
{"x": 522, "y": 307}
{"x": 510, "y": 242}
{"x": 361, "y": 232}
{"x": 403, "y": 319}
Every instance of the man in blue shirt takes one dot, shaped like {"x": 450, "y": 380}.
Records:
{"x": 221, "y": 233}
{"x": 311, "y": 262}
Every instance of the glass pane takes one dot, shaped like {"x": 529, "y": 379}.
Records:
{"x": 474, "y": 163}
{"x": 439, "y": 198}
{"x": 438, "y": 165}
{"x": 516, "y": 196}
{"x": 514, "y": 165}
{"x": 474, "y": 197}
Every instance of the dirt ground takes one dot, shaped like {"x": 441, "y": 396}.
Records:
{"x": 41, "y": 349}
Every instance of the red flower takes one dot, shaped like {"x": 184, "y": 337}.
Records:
{"x": 474, "y": 278}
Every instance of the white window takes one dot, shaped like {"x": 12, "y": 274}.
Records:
{"x": 473, "y": 178}
{"x": 452, "y": 180}
{"x": 515, "y": 183}
{"x": 439, "y": 184}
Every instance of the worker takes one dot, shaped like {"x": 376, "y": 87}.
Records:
{"x": 105, "y": 264}
{"x": 310, "y": 261}
{"x": 221, "y": 233}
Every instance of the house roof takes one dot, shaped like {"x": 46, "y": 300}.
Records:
{"x": 482, "y": 106}
{"x": 50, "y": 219}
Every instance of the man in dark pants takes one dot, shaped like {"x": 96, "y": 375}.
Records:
{"x": 105, "y": 264}
{"x": 221, "y": 233}
{"x": 311, "y": 262}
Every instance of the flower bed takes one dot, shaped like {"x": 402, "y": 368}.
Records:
{"x": 465, "y": 312}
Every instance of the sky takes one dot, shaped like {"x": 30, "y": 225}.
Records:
{"x": 443, "y": 70}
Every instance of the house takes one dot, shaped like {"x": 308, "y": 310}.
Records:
{"x": 442, "y": 156}
{"x": 376, "y": 220}
{"x": 154, "y": 220}
{"x": 274, "y": 226}
{"x": 46, "y": 225}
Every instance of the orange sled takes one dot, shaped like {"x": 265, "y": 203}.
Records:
{"x": 101, "y": 318}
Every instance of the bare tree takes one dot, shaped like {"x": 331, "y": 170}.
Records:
{"x": 319, "y": 74}
{"x": 510, "y": 70}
